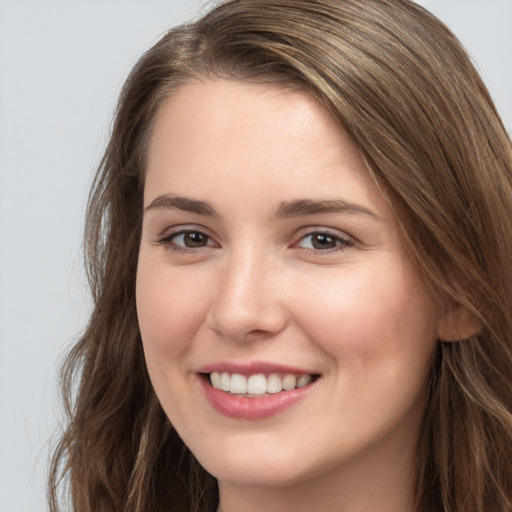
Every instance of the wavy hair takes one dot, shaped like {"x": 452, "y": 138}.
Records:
{"x": 401, "y": 85}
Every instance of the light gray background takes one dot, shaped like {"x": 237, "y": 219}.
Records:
{"x": 61, "y": 67}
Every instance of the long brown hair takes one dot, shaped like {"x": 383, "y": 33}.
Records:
{"x": 401, "y": 85}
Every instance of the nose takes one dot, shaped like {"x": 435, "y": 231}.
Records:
{"x": 248, "y": 304}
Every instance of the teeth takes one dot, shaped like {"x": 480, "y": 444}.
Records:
{"x": 274, "y": 384}
{"x": 303, "y": 380}
{"x": 225, "y": 381}
{"x": 289, "y": 382}
{"x": 216, "y": 380}
{"x": 258, "y": 384}
{"x": 238, "y": 384}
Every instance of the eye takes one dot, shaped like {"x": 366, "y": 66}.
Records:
{"x": 320, "y": 241}
{"x": 190, "y": 239}
{"x": 187, "y": 240}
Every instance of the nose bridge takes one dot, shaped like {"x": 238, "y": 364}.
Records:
{"x": 247, "y": 300}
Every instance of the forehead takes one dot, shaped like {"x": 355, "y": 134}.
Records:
{"x": 255, "y": 111}
{"x": 253, "y": 139}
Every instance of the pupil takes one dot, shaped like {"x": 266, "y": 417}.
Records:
{"x": 195, "y": 240}
{"x": 321, "y": 241}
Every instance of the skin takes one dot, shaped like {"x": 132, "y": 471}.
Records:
{"x": 260, "y": 289}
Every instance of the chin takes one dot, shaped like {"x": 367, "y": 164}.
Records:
{"x": 264, "y": 477}
{"x": 258, "y": 468}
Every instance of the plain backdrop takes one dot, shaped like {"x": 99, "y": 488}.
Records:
{"x": 62, "y": 64}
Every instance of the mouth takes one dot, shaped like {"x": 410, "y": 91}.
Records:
{"x": 259, "y": 384}
{"x": 255, "y": 396}
{"x": 255, "y": 390}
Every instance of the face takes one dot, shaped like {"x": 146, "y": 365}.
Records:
{"x": 270, "y": 265}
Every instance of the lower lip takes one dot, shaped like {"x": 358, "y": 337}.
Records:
{"x": 242, "y": 407}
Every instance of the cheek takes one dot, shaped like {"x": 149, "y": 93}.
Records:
{"x": 377, "y": 330}
{"x": 377, "y": 317}
{"x": 170, "y": 308}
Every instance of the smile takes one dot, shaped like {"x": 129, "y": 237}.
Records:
{"x": 255, "y": 391}
{"x": 259, "y": 384}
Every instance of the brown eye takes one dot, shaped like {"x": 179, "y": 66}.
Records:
{"x": 194, "y": 239}
{"x": 187, "y": 240}
{"x": 320, "y": 241}
{"x": 323, "y": 241}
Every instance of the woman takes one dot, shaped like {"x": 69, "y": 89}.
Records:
{"x": 298, "y": 244}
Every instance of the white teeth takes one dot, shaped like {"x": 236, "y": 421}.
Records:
{"x": 258, "y": 384}
{"x": 289, "y": 382}
{"x": 274, "y": 384}
{"x": 224, "y": 381}
{"x": 216, "y": 380}
{"x": 238, "y": 384}
{"x": 303, "y": 380}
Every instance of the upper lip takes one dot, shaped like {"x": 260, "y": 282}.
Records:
{"x": 253, "y": 367}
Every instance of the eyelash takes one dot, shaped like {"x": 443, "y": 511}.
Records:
{"x": 341, "y": 243}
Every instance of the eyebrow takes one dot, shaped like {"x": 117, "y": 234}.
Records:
{"x": 311, "y": 207}
{"x": 182, "y": 203}
{"x": 296, "y": 208}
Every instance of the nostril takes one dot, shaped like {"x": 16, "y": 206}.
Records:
{"x": 245, "y": 309}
